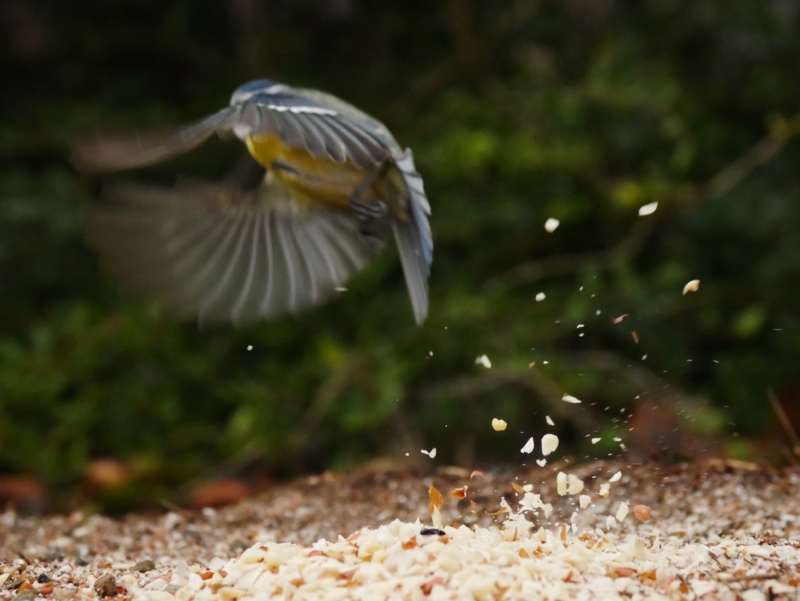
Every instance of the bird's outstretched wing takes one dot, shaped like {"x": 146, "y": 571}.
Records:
{"x": 219, "y": 254}
{"x": 333, "y": 131}
{"x": 128, "y": 151}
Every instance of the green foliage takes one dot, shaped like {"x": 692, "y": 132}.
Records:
{"x": 516, "y": 112}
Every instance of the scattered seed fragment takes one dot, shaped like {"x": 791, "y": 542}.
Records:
{"x": 622, "y": 512}
{"x": 561, "y": 484}
{"x": 431, "y": 453}
{"x": 484, "y": 361}
{"x": 14, "y": 582}
{"x": 596, "y": 440}
{"x": 541, "y": 462}
{"x": 46, "y": 589}
{"x": 503, "y": 509}
{"x": 540, "y": 296}
{"x": 635, "y": 336}
{"x": 648, "y": 209}
{"x": 435, "y": 497}
{"x": 574, "y": 484}
{"x": 528, "y": 448}
{"x": 549, "y": 420}
{"x": 568, "y": 398}
{"x": 692, "y": 286}
{"x": 229, "y": 593}
{"x": 551, "y": 225}
{"x": 498, "y": 425}
{"x": 584, "y": 501}
{"x": 620, "y": 318}
{"x": 642, "y": 512}
{"x": 459, "y": 493}
{"x": 605, "y": 489}
{"x": 549, "y": 444}
{"x": 616, "y": 477}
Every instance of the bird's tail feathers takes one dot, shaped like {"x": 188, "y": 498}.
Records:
{"x": 414, "y": 238}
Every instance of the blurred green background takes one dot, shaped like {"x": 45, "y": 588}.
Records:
{"x": 517, "y": 111}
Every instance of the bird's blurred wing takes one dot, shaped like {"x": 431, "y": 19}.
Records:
{"x": 336, "y": 132}
{"x": 114, "y": 153}
{"x": 223, "y": 255}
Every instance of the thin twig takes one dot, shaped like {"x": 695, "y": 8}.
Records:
{"x": 627, "y": 248}
{"x": 770, "y": 576}
{"x": 757, "y": 155}
{"x": 785, "y": 422}
{"x": 721, "y": 184}
{"x": 543, "y": 387}
{"x": 443, "y": 73}
{"x": 327, "y": 392}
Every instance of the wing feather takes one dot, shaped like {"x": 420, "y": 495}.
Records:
{"x": 326, "y": 128}
{"x": 114, "y": 153}
{"x": 255, "y": 256}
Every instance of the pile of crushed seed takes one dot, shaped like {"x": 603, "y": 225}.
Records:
{"x": 713, "y": 531}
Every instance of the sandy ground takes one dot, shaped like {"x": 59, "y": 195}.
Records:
{"x": 716, "y": 530}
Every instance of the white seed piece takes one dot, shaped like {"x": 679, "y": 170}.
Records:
{"x": 692, "y": 286}
{"x": 648, "y": 209}
{"x": 549, "y": 444}
{"x": 528, "y": 448}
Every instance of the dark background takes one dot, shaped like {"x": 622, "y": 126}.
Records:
{"x": 581, "y": 110}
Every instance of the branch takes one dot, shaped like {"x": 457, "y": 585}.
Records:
{"x": 721, "y": 184}
{"x": 785, "y": 422}
{"x": 626, "y": 249}
{"x": 543, "y": 387}
{"x": 442, "y": 74}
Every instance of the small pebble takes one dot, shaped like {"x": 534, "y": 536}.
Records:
{"x": 43, "y": 578}
{"x": 106, "y": 586}
{"x": 145, "y": 565}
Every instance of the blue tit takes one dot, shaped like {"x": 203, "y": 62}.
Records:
{"x": 336, "y": 184}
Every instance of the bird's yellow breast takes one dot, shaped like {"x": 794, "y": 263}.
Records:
{"x": 321, "y": 179}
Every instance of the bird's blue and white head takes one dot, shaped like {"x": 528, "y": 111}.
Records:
{"x": 255, "y": 87}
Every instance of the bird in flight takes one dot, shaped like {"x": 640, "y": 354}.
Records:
{"x": 336, "y": 183}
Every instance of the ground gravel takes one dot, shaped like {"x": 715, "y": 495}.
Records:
{"x": 708, "y": 530}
